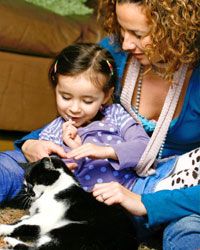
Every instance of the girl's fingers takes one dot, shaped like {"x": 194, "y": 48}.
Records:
{"x": 72, "y": 165}
{"x": 78, "y": 153}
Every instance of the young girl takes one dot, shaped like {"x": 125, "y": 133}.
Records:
{"x": 108, "y": 141}
{"x": 104, "y": 141}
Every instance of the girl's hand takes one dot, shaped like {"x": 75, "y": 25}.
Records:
{"x": 92, "y": 151}
{"x": 113, "y": 193}
{"x": 70, "y": 136}
{"x": 35, "y": 150}
{"x": 72, "y": 166}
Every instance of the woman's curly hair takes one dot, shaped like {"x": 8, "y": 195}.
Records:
{"x": 174, "y": 29}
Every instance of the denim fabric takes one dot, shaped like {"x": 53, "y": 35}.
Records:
{"x": 164, "y": 167}
{"x": 183, "y": 234}
{"x": 11, "y": 174}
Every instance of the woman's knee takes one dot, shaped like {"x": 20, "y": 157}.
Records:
{"x": 183, "y": 234}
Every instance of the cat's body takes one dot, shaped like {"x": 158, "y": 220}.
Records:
{"x": 65, "y": 217}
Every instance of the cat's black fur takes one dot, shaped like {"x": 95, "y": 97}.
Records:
{"x": 65, "y": 217}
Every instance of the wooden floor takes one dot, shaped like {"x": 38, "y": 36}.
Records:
{"x": 7, "y": 138}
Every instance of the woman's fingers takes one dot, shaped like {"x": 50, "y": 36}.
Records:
{"x": 113, "y": 193}
{"x": 79, "y": 152}
{"x": 109, "y": 193}
{"x": 36, "y": 149}
{"x": 56, "y": 149}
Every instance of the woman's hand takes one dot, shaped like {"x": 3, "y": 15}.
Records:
{"x": 113, "y": 193}
{"x": 70, "y": 135}
{"x": 93, "y": 151}
{"x": 35, "y": 150}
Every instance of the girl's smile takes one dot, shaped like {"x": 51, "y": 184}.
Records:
{"x": 78, "y": 98}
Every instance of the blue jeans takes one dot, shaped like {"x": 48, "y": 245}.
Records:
{"x": 183, "y": 234}
{"x": 11, "y": 174}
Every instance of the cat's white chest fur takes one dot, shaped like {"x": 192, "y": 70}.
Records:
{"x": 46, "y": 209}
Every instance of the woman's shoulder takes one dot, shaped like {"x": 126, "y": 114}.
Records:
{"x": 120, "y": 58}
{"x": 194, "y": 85}
{"x": 196, "y": 73}
{"x": 114, "y": 48}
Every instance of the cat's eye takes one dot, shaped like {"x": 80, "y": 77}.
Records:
{"x": 30, "y": 190}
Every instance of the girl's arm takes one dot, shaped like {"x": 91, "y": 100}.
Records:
{"x": 126, "y": 154}
{"x": 134, "y": 139}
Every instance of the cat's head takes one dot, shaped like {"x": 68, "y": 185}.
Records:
{"x": 45, "y": 174}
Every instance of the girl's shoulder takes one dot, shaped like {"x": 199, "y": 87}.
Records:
{"x": 117, "y": 113}
{"x": 53, "y": 125}
{"x": 113, "y": 109}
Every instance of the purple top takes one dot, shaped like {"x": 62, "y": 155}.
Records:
{"x": 118, "y": 130}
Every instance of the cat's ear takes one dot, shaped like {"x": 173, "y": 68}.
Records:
{"x": 48, "y": 164}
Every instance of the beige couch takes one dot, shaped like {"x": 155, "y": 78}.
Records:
{"x": 30, "y": 37}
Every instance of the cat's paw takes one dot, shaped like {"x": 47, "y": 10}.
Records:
{"x": 12, "y": 242}
{"x": 5, "y": 229}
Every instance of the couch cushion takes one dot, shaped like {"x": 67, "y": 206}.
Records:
{"x": 28, "y": 29}
{"x": 27, "y": 98}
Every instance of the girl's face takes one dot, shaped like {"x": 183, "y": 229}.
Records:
{"x": 78, "y": 99}
{"x": 134, "y": 30}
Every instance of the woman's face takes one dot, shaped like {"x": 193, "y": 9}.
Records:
{"x": 134, "y": 30}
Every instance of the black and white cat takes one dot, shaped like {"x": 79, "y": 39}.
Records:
{"x": 65, "y": 217}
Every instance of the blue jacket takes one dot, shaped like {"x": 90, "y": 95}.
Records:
{"x": 168, "y": 205}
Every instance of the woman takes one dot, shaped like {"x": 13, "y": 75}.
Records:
{"x": 160, "y": 36}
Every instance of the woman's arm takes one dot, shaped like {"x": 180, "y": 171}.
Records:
{"x": 160, "y": 207}
{"x": 34, "y": 149}
{"x": 33, "y": 135}
{"x": 168, "y": 205}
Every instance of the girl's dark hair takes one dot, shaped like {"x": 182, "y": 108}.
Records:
{"x": 87, "y": 58}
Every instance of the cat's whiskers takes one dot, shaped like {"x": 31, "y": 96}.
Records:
{"x": 26, "y": 202}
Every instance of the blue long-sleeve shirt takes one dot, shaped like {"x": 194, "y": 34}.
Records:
{"x": 168, "y": 205}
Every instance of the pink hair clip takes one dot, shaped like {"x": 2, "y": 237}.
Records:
{"x": 55, "y": 66}
{"x": 110, "y": 67}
